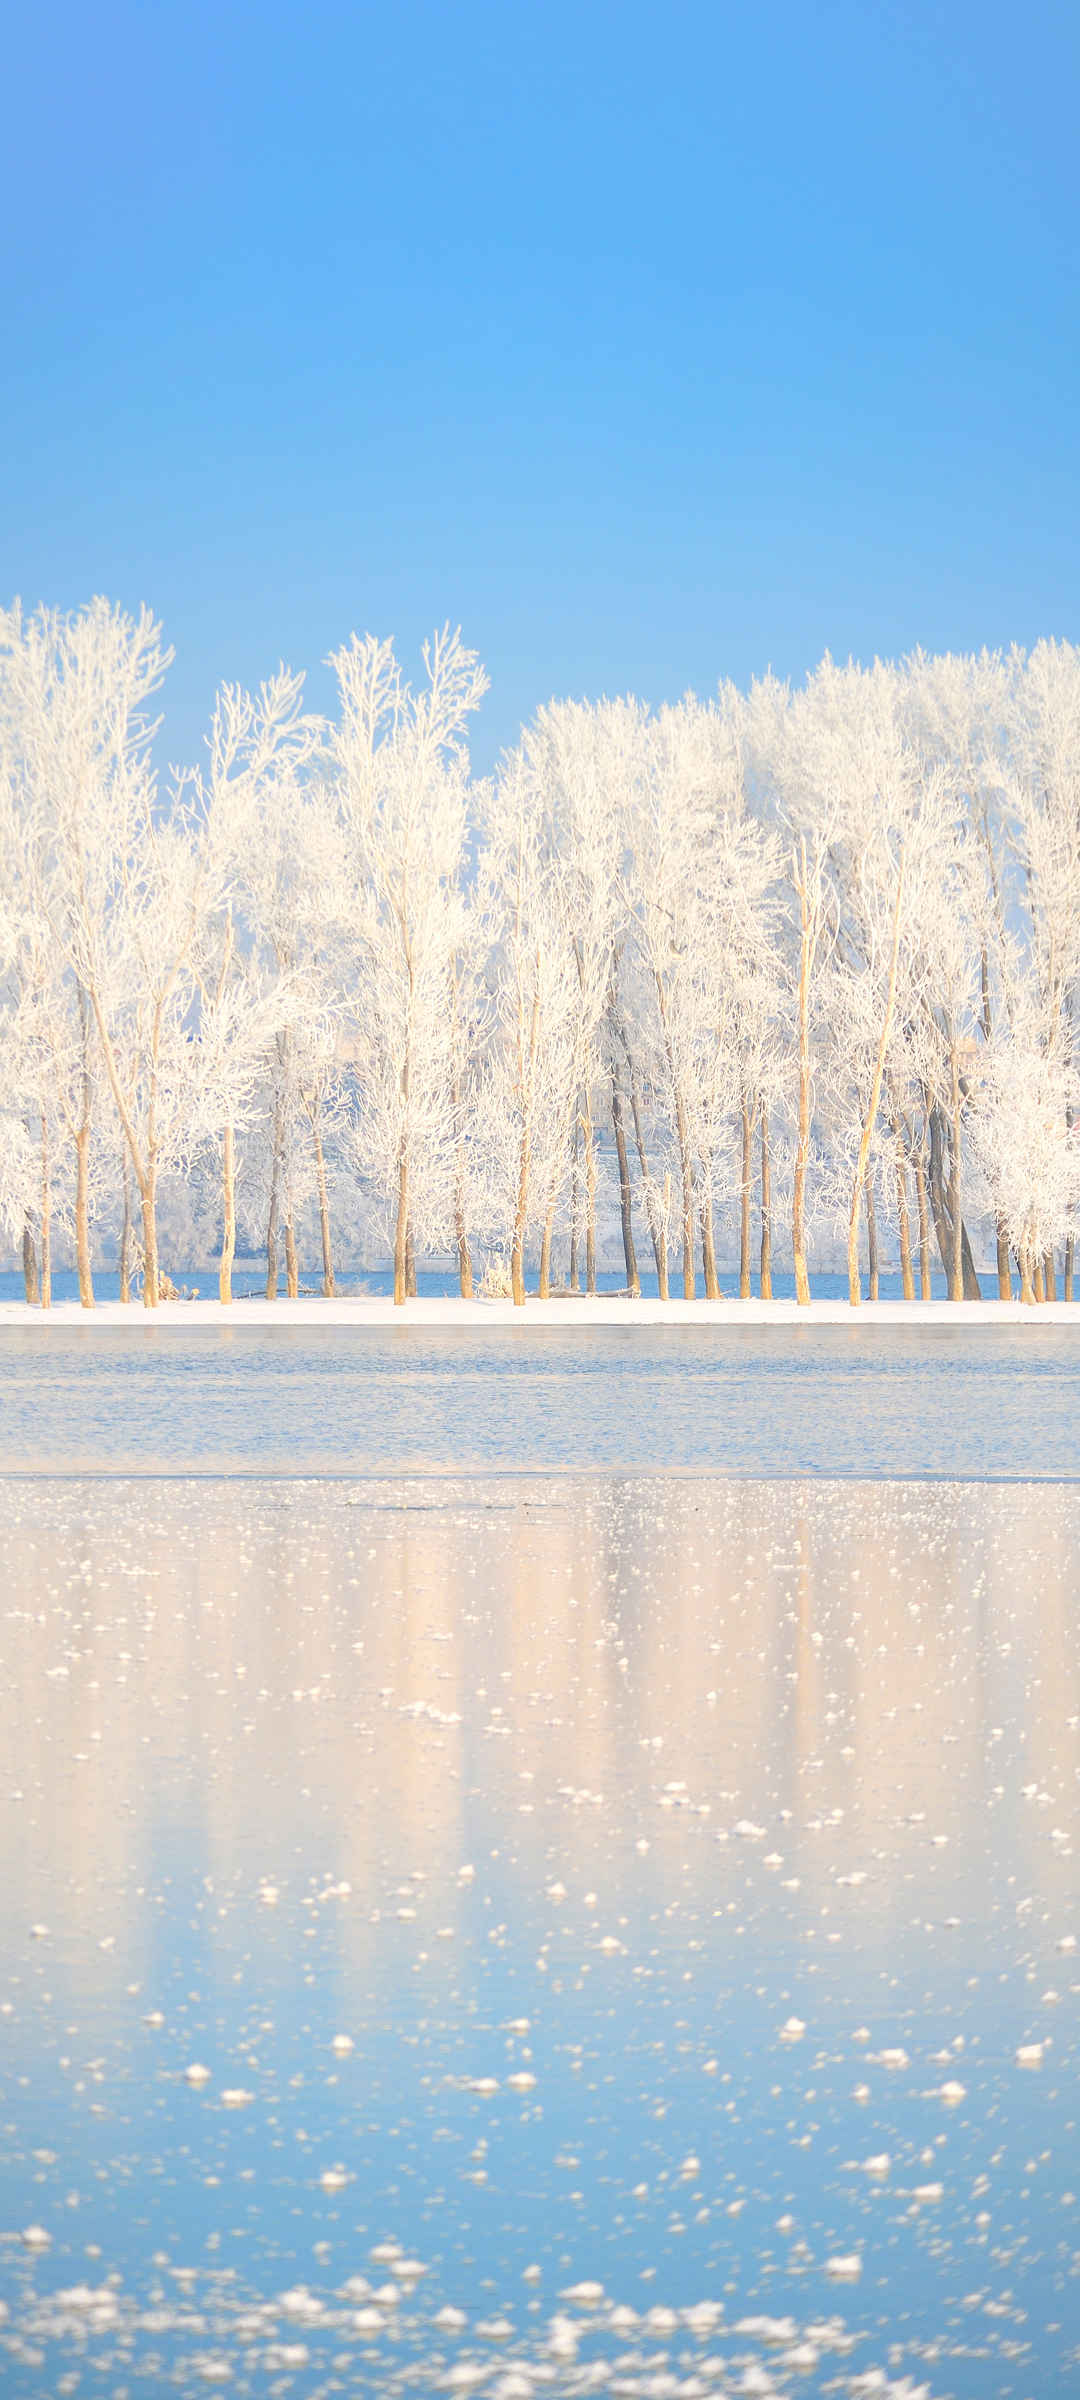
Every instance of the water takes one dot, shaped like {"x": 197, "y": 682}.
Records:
{"x": 938, "y": 1401}
{"x": 658, "y": 1878}
{"x": 440, "y": 1283}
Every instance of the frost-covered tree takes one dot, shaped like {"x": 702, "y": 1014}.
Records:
{"x": 400, "y": 776}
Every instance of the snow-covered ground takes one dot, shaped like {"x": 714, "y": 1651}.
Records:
{"x": 538, "y": 1315}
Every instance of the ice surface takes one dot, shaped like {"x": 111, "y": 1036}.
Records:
{"x": 574, "y": 2147}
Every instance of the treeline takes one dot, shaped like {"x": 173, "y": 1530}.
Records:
{"x": 765, "y": 970}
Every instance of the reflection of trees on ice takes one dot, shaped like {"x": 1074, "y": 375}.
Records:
{"x": 813, "y": 954}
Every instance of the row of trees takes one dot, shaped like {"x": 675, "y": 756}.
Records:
{"x": 785, "y": 963}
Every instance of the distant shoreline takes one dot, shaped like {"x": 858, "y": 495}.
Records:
{"x": 369, "y": 1313}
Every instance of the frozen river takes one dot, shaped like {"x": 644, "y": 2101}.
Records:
{"x": 466, "y": 1924}
{"x": 539, "y": 1937}
{"x": 935, "y": 1400}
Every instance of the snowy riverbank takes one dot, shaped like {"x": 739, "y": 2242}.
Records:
{"x": 374, "y": 1313}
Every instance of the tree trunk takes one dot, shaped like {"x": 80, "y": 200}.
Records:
{"x": 461, "y": 1226}
{"x": 873, "y": 1275}
{"x": 870, "y": 1120}
{"x": 925, "y": 1285}
{"x": 125, "y": 1229}
{"x": 1049, "y": 1277}
{"x": 228, "y": 1211}
{"x": 573, "y": 1277}
{"x": 686, "y": 1172}
{"x": 1027, "y": 1287}
{"x": 652, "y": 1215}
{"x": 766, "y": 1209}
{"x": 902, "y": 1225}
{"x": 517, "y": 1244}
{"x": 590, "y": 1195}
{"x": 744, "y": 1205}
{"x": 708, "y": 1249}
{"x": 543, "y": 1288}
{"x": 31, "y": 1286}
{"x": 802, "y": 1152}
{"x": 292, "y": 1276}
{"x": 956, "y": 1250}
{"x": 82, "y": 1214}
{"x": 401, "y": 1231}
{"x": 972, "y": 1288}
{"x": 148, "y": 1200}
{"x": 633, "y": 1279}
{"x": 526, "y": 1081}
{"x": 46, "y": 1214}
{"x": 686, "y": 1169}
{"x": 324, "y": 1216}
{"x": 82, "y": 1163}
{"x": 1037, "y": 1279}
{"x": 1067, "y": 1277}
{"x": 271, "y": 1233}
{"x": 1004, "y": 1274}
{"x": 948, "y": 1232}
{"x": 465, "y": 1266}
{"x": 662, "y": 1278}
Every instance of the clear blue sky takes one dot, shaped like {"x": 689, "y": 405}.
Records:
{"x": 651, "y": 344}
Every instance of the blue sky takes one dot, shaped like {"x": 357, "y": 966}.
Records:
{"x": 649, "y": 344}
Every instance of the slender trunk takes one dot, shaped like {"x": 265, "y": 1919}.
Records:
{"x": 145, "y": 1169}
{"x": 401, "y": 1230}
{"x": 228, "y": 1212}
{"x": 125, "y": 1229}
{"x": 461, "y": 1228}
{"x": 686, "y": 1172}
{"x": 949, "y": 1230}
{"x": 956, "y": 1250}
{"x": 925, "y": 1286}
{"x": 662, "y": 1278}
{"x": 517, "y": 1244}
{"x": 1004, "y": 1274}
{"x": 1049, "y": 1277}
{"x": 271, "y": 1233}
{"x": 766, "y": 1209}
{"x": 663, "y": 1287}
{"x": 82, "y": 1162}
{"x": 544, "y": 1284}
{"x": 903, "y": 1227}
{"x": 31, "y": 1286}
{"x": 1067, "y": 1274}
{"x": 292, "y": 1276}
{"x": 708, "y": 1249}
{"x": 46, "y": 1214}
{"x": 82, "y": 1214}
{"x": 652, "y": 1214}
{"x": 590, "y": 1195}
{"x": 802, "y": 1151}
{"x": 521, "y": 1209}
{"x": 324, "y": 1215}
{"x": 633, "y": 1279}
{"x": 465, "y": 1266}
{"x": 972, "y": 1288}
{"x": 573, "y": 1275}
{"x": 744, "y": 1205}
{"x": 870, "y": 1119}
{"x": 148, "y": 1199}
{"x": 410, "y": 1266}
{"x": 873, "y": 1274}
{"x": 682, "y": 1130}
{"x": 1037, "y": 1279}
{"x": 1027, "y": 1287}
